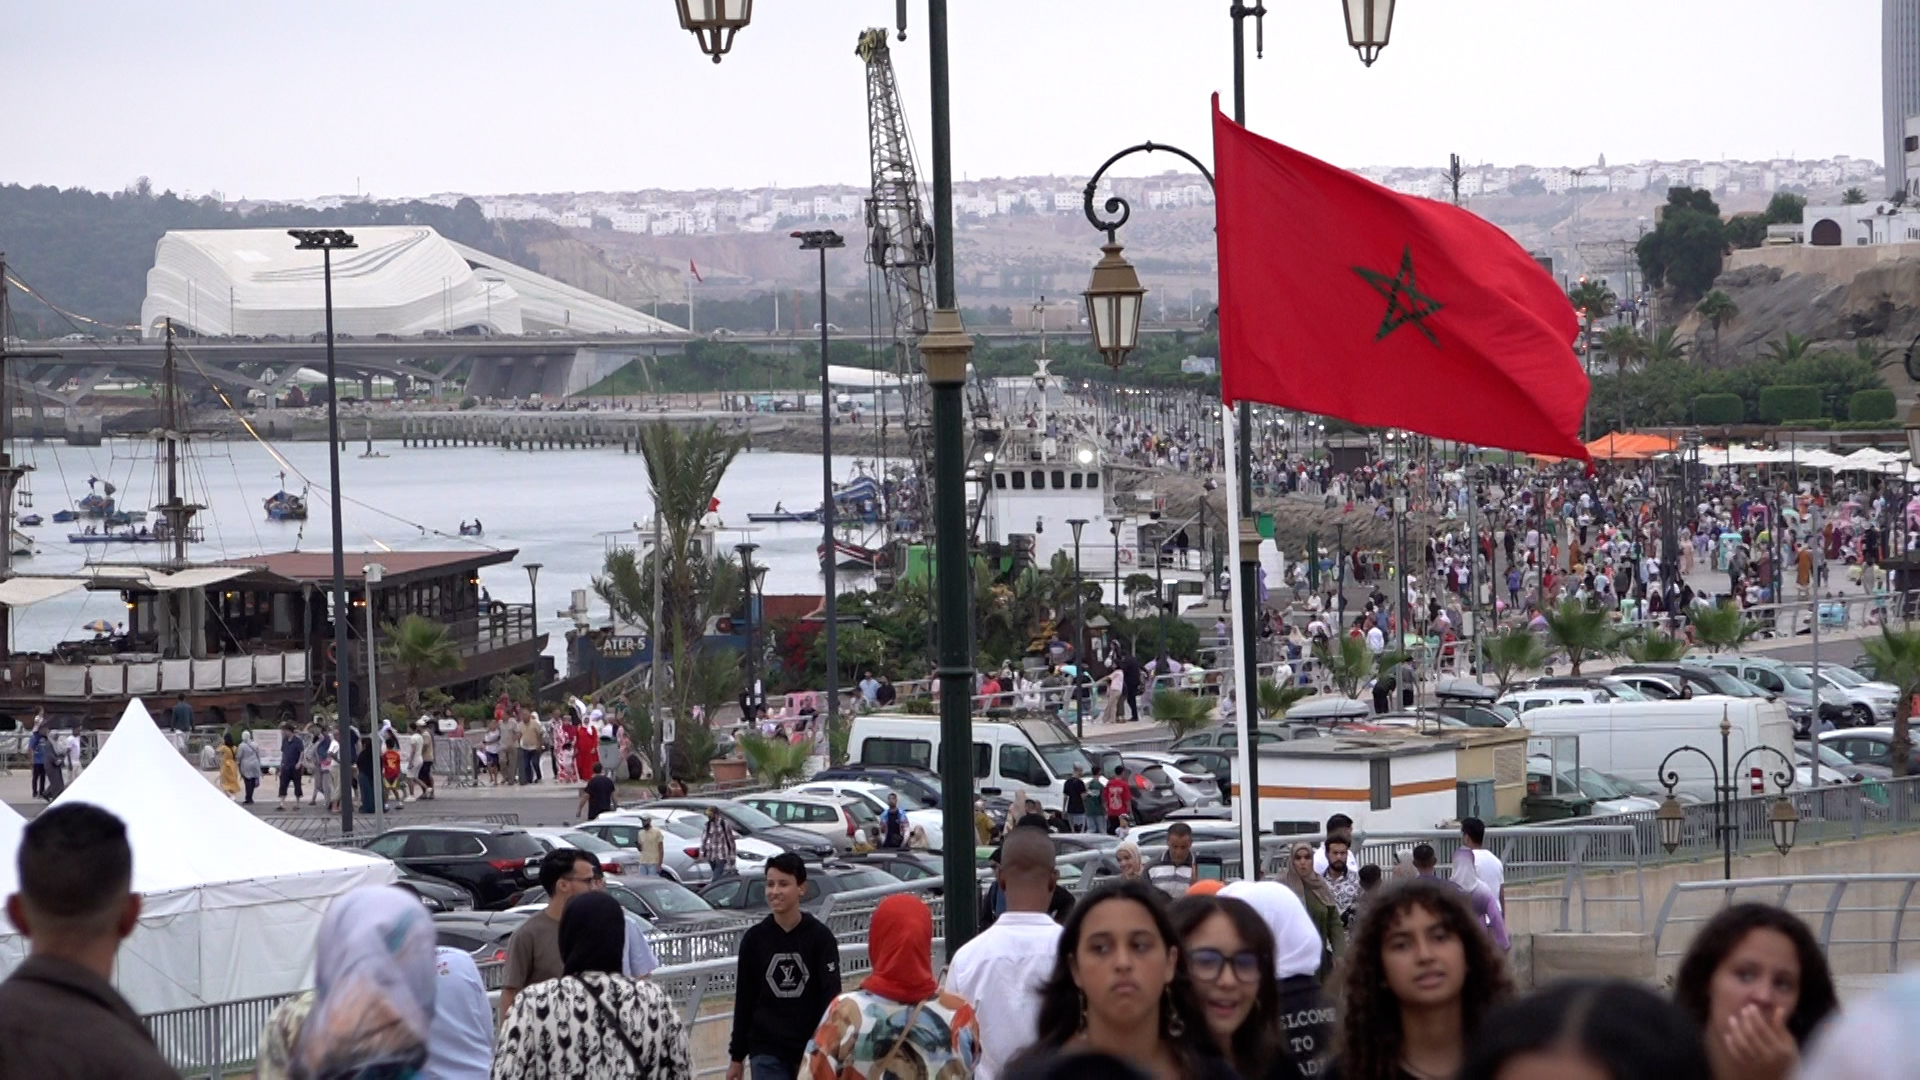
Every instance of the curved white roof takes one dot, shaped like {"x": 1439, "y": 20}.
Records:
{"x": 403, "y": 280}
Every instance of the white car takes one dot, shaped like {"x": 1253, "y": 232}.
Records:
{"x": 874, "y": 796}
{"x": 1195, "y": 786}
{"x": 616, "y": 862}
{"x": 1870, "y": 702}
{"x": 825, "y": 816}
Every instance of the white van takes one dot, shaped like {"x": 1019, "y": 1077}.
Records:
{"x": 1009, "y": 756}
{"x": 1629, "y": 739}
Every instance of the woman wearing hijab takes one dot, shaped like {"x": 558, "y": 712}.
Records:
{"x": 229, "y": 767}
{"x": 1306, "y": 1015}
{"x": 898, "y": 1022}
{"x": 1306, "y": 883}
{"x": 593, "y": 1023}
{"x": 372, "y": 1004}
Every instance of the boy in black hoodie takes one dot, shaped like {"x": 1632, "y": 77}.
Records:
{"x": 789, "y": 971}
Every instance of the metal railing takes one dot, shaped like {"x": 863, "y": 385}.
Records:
{"x": 1864, "y": 913}
{"x": 847, "y": 914}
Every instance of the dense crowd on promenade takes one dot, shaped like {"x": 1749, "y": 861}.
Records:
{"x": 1324, "y": 970}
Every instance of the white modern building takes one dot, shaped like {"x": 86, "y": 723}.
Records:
{"x": 1899, "y": 82}
{"x": 403, "y": 281}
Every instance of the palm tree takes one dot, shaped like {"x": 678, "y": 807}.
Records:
{"x": 1723, "y": 626}
{"x": 1276, "y": 699}
{"x": 1348, "y": 663}
{"x": 1788, "y": 348}
{"x": 684, "y": 468}
{"x": 1853, "y": 196}
{"x": 1511, "y": 652}
{"x": 1896, "y": 660}
{"x": 1623, "y": 345}
{"x": 1583, "y": 633}
{"x": 1183, "y": 713}
{"x": 1665, "y": 346}
{"x": 1653, "y": 648}
{"x": 1718, "y": 309}
{"x": 775, "y": 762}
{"x": 417, "y": 647}
{"x": 1592, "y": 299}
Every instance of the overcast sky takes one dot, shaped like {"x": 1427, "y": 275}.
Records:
{"x": 291, "y": 98}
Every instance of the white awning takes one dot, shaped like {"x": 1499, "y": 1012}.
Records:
{"x": 198, "y": 577}
{"x": 21, "y": 591}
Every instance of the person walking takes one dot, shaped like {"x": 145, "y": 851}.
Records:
{"x": 1323, "y": 909}
{"x": 1074, "y": 794}
{"x": 1001, "y": 969}
{"x": 789, "y": 970}
{"x": 426, "y": 758}
{"x": 292, "y": 757}
{"x": 1117, "y": 799}
{"x": 893, "y": 823}
{"x": 1757, "y": 983}
{"x": 460, "y": 1042}
{"x": 1119, "y": 988}
{"x": 586, "y": 748}
{"x": 59, "y": 1013}
{"x": 1306, "y": 1016}
{"x": 716, "y": 842}
{"x": 1175, "y": 870}
{"x": 1228, "y": 949}
{"x": 597, "y": 795}
{"x": 1130, "y": 675}
{"x": 653, "y": 849}
{"x": 39, "y": 749}
{"x": 326, "y": 785}
{"x": 899, "y": 1022}
{"x": 230, "y": 767}
{"x": 532, "y": 742}
{"x": 533, "y": 949}
{"x": 1592, "y": 1028}
{"x": 593, "y": 1021}
{"x": 1420, "y": 979}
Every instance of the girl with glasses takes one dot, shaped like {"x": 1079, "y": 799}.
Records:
{"x": 1230, "y": 958}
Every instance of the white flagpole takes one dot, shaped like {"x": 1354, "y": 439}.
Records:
{"x": 1246, "y": 803}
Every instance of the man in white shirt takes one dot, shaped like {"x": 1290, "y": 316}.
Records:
{"x": 1486, "y": 865}
{"x": 1001, "y": 970}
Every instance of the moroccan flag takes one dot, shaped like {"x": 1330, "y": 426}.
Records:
{"x": 696, "y": 272}
{"x": 1342, "y": 298}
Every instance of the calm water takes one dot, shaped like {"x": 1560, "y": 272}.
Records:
{"x": 563, "y": 508}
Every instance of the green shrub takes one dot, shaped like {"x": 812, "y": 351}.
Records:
{"x": 1789, "y": 402}
{"x": 1870, "y": 405}
{"x": 1824, "y": 423}
{"x": 1862, "y": 425}
{"x": 1719, "y": 409}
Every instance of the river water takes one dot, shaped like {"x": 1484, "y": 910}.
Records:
{"x": 564, "y": 509}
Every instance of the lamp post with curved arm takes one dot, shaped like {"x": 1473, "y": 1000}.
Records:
{"x": 1782, "y": 819}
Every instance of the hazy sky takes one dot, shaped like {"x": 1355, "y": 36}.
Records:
{"x": 288, "y": 98}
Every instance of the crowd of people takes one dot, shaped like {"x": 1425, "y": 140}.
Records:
{"x": 1160, "y": 975}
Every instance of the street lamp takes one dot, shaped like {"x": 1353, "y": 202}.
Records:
{"x": 1114, "y": 300}
{"x": 533, "y": 586}
{"x": 823, "y": 241}
{"x": 714, "y": 22}
{"x": 748, "y": 575}
{"x": 1369, "y": 23}
{"x": 1079, "y": 634}
{"x": 1783, "y": 821}
{"x": 326, "y": 242}
{"x": 374, "y": 572}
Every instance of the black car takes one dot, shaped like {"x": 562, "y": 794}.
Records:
{"x": 493, "y": 863}
{"x": 748, "y": 892}
{"x": 666, "y": 905}
{"x": 435, "y": 895}
{"x": 904, "y": 865}
{"x": 747, "y": 821}
{"x": 1697, "y": 678}
{"x": 1150, "y": 803}
{"x": 920, "y": 787}
{"x": 480, "y": 934}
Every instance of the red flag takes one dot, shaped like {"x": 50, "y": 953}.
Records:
{"x": 696, "y": 272}
{"x": 713, "y": 505}
{"x": 1342, "y": 298}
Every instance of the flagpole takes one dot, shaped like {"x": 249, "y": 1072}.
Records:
{"x": 1247, "y": 798}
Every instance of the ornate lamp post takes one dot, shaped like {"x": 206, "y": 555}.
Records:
{"x": 1783, "y": 821}
{"x": 714, "y": 22}
{"x": 749, "y": 575}
{"x": 533, "y": 588}
{"x": 1369, "y": 23}
{"x": 326, "y": 242}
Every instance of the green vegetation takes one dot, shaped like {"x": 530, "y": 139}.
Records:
{"x": 1511, "y": 652}
{"x": 417, "y": 647}
{"x": 1789, "y": 402}
{"x": 1750, "y": 230}
{"x": 1853, "y": 196}
{"x": 1870, "y": 405}
{"x": 1718, "y": 309}
{"x": 1653, "y": 648}
{"x": 1719, "y": 409}
{"x": 1672, "y": 392}
{"x": 1723, "y": 626}
{"x": 1896, "y": 660}
{"x": 1183, "y": 713}
{"x": 1583, "y": 633}
{"x": 775, "y": 762}
{"x": 1684, "y": 251}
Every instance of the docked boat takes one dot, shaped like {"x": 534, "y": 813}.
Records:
{"x": 22, "y": 545}
{"x": 29, "y": 520}
{"x": 474, "y": 529}
{"x": 63, "y": 517}
{"x": 779, "y": 516}
{"x": 98, "y": 504}
{"x": 851, "y": 556}
{"x": 284, "y": 505}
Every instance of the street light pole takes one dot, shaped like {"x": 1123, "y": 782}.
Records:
{"x": 746, "y": 576}
{"x": 1079, "y": 635}
{"x": 374, "y": 572}
{"x": 326, "y": 242}
{"x": 1783, "y": 820}
{"x": 533, "y": 587}
{"x": 823, "y": 241}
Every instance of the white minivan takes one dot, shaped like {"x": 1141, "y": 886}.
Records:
{"x": 1629, "y": 739}
{"x": 1009, "y": 756}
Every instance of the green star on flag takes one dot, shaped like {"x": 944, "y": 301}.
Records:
{"x": 1405, "y": 302}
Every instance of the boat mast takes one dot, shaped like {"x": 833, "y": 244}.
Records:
{"x": 10, "y": 473}
{"x": 177, "y": 512}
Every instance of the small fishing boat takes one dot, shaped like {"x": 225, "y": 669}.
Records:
{"x": 127, "y": 536}
{"x": 22, "y": 545}
{"x": 98, "y": 504}
{"x": 29, "y": 520}
{"x": 62, "y": 517}
{"x": 474, "y": 529}
{"x": 852, "y": 556}
{"x": 284, "y": 505}
{"x": 779, "y": 516}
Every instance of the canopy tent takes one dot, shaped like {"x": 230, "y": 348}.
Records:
{"x": 1632, "y": 446}
{"x": 230, "y": 904}
{"x": 862, "y": 378}
{"x": 11, "y": 826}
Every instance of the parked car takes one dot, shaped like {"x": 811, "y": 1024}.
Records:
{"x": 825, "y": 816}
{"x": 1775, "y": 677}
{"x": 615, "y": 863}
{"x": 747, "y": 892}
{"x": 1204, "y": 830}
{"x": 1539, "y": 696}
{"x": 1616, "y": 688}
{"x": 1868, "y": 702}
{"x": 1610, "y": 794}
{"x": 1869, "y": 746}
{"x": 1689, "y": 679}
{"x": 1834, "y": 768}
{"x": 435, "y": 895}
{"x": 1227, "y": 736}
{"x": 1219, "y": 762}
{"x": 747, "y": 821}
{"x": 681, "y": 843}
{"x": 480, "y": 934}
{"x": 917, "y": 787}
{"x": 906, "y": 865}
{"x": 494, "y": 863}
{"x": 1189, "y": 779}
{"x": 874, "y": 795}
{"x": 666, "y": 905}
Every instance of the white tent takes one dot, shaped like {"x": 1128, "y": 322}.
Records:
{"x": 230, "y": 904}
{"x": 11, "y": 826}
